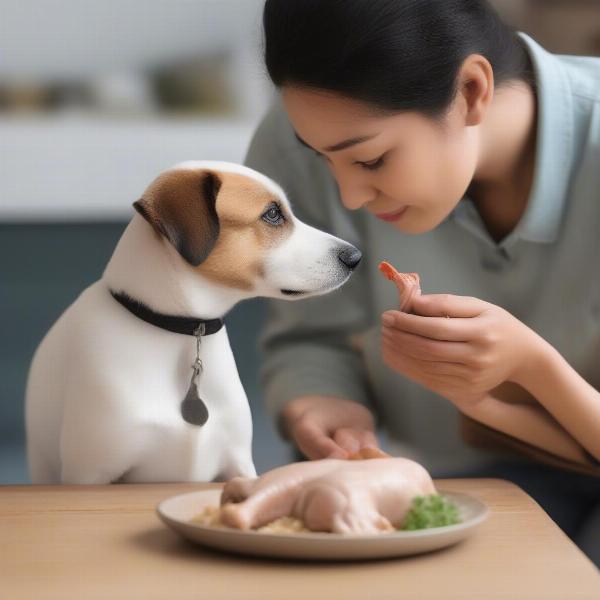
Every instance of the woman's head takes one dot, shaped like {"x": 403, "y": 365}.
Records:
{"x": 414, "y": 76}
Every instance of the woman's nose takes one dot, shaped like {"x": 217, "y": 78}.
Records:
{"x": 354, "y": 195}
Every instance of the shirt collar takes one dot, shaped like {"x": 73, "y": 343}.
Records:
{"x": 554, "y": 148}
{"x": 554, "y": 152}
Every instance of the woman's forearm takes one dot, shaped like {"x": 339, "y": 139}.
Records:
{"x": 528, "y": 423}
{"x": 571, "y": 400}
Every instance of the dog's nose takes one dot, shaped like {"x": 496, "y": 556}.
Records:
{"x": 350, "y": 256}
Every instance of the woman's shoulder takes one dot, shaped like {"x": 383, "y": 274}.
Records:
{"x": 584, "y": 76}
{"x": 564, "y": 75}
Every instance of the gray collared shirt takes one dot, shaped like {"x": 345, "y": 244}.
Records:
{"x": 546, "y": 272}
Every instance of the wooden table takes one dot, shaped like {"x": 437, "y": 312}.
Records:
{"x": 86, "y": 542}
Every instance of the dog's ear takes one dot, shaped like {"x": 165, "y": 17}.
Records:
{"x": 181, "y": 206}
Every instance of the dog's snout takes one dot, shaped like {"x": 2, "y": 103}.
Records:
{"x": 350, "y": 256}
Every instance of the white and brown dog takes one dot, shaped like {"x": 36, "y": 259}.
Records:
{"x": 105, "y": 396}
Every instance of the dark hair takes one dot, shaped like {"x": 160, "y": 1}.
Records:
{"x": 394, "y": 55}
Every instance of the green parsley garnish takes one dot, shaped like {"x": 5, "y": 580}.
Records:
{"x": 431, "y": 511}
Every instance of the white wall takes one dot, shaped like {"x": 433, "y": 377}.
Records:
{"x": 73, "y": 165}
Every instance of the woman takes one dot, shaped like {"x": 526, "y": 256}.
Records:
{"x": 430, "y": 135}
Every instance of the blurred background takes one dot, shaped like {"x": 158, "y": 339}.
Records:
{"x": 96, "y": 98}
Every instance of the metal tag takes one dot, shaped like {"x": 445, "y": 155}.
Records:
{"x": 193, "y": 409}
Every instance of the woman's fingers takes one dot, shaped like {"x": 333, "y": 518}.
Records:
{"x": 314, "y": 442}
{"x": 448, "y": 305}
{"x": 353, "y": 440}
{"x": 423, "y": 348}
{"x": 422, "y": 371}
{"x": 328, "y": 427}
{"x": 435, "y": 328}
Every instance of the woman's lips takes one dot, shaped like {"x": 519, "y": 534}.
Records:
{"x": 392, "y": 216}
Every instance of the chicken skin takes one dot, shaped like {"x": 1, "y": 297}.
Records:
{"x": 338, "y": 496}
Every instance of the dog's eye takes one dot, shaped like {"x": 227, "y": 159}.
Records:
{"x": 273, "y": 215}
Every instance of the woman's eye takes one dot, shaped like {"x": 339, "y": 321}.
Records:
{"x": 273, "y": 216}
{"x": 373, "y": 165}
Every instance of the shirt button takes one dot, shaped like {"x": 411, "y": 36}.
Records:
{"x": 495, "y": 260}
{"x": 492, "y": 263}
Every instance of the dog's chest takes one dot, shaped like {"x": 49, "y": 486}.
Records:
{"x": 177, "y": 450}
{"x": 218, "y": 384}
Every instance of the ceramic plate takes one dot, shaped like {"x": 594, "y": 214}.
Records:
{"x": 178, "y": 511}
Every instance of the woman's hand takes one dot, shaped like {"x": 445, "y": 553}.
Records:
{"x": 328, "y": 427}
{"x": 458, "y": 346}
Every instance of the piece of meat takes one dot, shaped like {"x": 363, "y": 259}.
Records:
{"x": 367, "y": 453}
{"x": 340, "y": 496}
{"x": 248, "y": 503}
{"x": 408, "y": 284}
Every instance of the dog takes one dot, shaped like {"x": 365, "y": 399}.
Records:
{"x": 136, "y": 381}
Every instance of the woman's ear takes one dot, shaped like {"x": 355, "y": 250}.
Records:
{"x": 476, "y": 87}
{"x": 181, "y": 206}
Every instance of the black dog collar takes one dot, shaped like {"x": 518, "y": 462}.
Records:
{"x": 193, "y": 409}
{"x": 175, "y": 324}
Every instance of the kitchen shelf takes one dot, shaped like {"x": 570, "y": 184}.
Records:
{"x": 81, "y": 167}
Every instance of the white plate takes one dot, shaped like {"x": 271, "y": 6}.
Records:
{"x": 177, "y": 512}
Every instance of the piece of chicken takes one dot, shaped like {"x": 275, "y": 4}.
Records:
{"x": 408, "y": 284}
{"x": 339, "y": 496}
{"x": 368, "y": 452}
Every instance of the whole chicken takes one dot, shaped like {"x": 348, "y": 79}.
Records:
{"x": 338, "y": 496}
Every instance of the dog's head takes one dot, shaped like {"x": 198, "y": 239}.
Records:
{"x": 236, "y": 228}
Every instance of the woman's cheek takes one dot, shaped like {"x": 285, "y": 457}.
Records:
{"x": 405, "y": 181}
{"x": 460, "y": 161}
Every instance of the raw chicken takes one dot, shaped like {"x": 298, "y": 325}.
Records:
{"x": 408, "y": 284}
{"x": 339, "y": 496}
{"x": 368, "y": 452}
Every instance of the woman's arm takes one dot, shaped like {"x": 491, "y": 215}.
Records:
{"x": 526, "y": 422}
{"x": 571, "y": 400}
{"x": 465, "y": 349}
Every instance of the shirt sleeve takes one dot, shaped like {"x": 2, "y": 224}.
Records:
{"x": 305, "y": 343}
